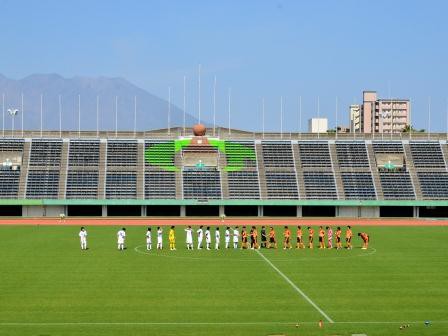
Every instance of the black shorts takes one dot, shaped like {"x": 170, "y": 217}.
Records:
{"x": 287, "y": 240}
{"x": 348, "y": 240}
{"x": 252, "y": 240}
{"x": 244, "y": 240}
{"x": 263, "y": 238}
{"x": 299, "y": 239}
{"x": 311, "y": 239}
{"x": 272, "y": 240}
{"x": 321, "y": 239}
{"x": 338, "y": 239}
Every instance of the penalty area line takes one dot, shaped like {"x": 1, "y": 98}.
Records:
{"x": 296, "y": 288}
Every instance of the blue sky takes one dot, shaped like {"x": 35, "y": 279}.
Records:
{"x": 324, "y": 49}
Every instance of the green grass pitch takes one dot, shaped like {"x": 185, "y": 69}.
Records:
{"x": 48, "y": 286}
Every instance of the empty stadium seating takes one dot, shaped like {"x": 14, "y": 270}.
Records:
{"x": 46, "y": 153}
{"x": 42, "y": 184}
{"x": 122, "y": 153}
{"x": 352, "y": 154}
{"x": 84, "y": 153}
{"x": 201, "y": 184}
{"x": 397, "y": 185}
{"x": 240, "y": 152}
{"x": 243, "y": 185}
{"x": 434, "y": 185}
{"x": 358, "y": 186}
{"x": 281, "y": 185}
{"x": 82, "y": 184}
{"x": 320, "y": 185}
{"x": 277, "y": 154}
{"x": 121, "y": 185}
{"x": 160, "y": 184}
{"x": 314, "y": 154}
{"x": 9, "y": 183}
{"x": 427, "y": 154}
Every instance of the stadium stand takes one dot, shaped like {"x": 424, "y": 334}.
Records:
{"x": 427, "y": 154}
{"x": 201, "y": 184}
{"x": 320, "y": 185}
{"x": 434, "y": 185}
{"x": 352, "y": 154}
{"x": 358, "y": 185}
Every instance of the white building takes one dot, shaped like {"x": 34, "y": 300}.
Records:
{"x": 318, "y": 125}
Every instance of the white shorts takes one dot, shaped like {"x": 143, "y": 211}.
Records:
{"x": 159, "y": 240}
{"x": 189, "y": 241}
{"x": 227, "y": 240}
{"x": 83, "y": 240}
{"x": 120, "y": 241}
{"x": 148, "y": 241}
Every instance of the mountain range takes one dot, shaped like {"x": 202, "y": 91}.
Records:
{"x": 152, "y": 111}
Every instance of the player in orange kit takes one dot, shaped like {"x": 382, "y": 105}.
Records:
{"x": 365, "y": 240}
{"x": 348, "y": 237}
{"x": 321, "y": 238}
{"x": 338, "y": 238}
{"x": 310, "y": 237}
{"x": 272, "y": 240}
{"x": 300, "y": 237}
{"x": 243, "y": 238}
{"x": 287, "y": 238}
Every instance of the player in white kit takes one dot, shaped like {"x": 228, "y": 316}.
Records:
{"x": 236, "y": 237}
{"x": 83, "y": 238}
{"x": 189, "y": 238}
{"x": 121, "y": 236}
{"x": 208, "y": 238}
{"x": 227, "y": 237}
{"x": 200, "y": 233}
{"x": 217, "y": 238}
{"x": 148, "y": 239}
{"x": 159, "y": 238}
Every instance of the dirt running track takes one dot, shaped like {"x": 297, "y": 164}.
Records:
{"x": 84, "y": 221}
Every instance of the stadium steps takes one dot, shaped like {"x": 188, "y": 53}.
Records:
{"x": 444, "y": 148}
{"x": 102, "y": 170}
{"x": 374, "y": 170}
{"x": 412, "y": 171}
{"x": 24, "y": 170}
{"x": 179, "y": 179}
{"x": 141, "y": 170}
{"x": 261, "y": 171}
{"x": 63, "y": 170}
{"x": 299, "y": 171}
{"x": 337, "y": 171}
{"x": 222, "y": 164}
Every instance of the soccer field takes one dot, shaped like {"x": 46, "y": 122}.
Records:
{"x": 48, "y": 286}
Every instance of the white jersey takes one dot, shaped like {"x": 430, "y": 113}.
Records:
{"x": 200, "y": 234}
{"x": 189, "y": 236}
{"x": 83, "y": 235}
{"x": 159, "y": 236}
{"x": 217, "y": 235}
{"x": 148, "y": 237}
{"x": 208, "y": 238}
{"x": 121, "y": 235}
{"x": 227, "y": 236}
{"x": 236, "y": 236}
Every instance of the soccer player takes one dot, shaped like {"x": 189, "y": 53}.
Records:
{"x": 121, "y": 236}
{"x": 264, "y": 238}
{"x": 83, "y": 238}
{"x": 243, "y": 238}
{"x": 329, "y": 237}
{"x": 148, "y": 239}
{"x": 321, "y": 238}
{"x": 287, "y": 238}
{"x": 252, "y": 238}
{"x": 227, "y": 237}
{"x": 365, "y": 240}
{"x": 189, "y": 239}
{"x": 236, "y": 237}
{"x": 338, "y": 238}
{"x": 300, "y": 237}
{"x": 272, "y": 240}
{"x": 348, "y": 237}
{"x": 217, "y": 238}
{"x": 159, "y": 238}
{"x": 208, "y": 238}
{"x": 310, "y": 237}
{"x": 200, "y": 233}
{"x": 172, "y": 239}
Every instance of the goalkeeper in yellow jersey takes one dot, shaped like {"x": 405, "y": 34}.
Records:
{"x": 172, "y": 239}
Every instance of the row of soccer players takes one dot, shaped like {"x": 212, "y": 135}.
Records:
{"x": 233, "y": 234}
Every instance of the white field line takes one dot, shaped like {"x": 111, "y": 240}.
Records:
{"x": 204, "y": 323}
{"x": 297, "y": 289}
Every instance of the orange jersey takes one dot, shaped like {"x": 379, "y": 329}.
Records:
{"x": 364, "y": 236}
{"x": 244, "y": 234}
{"x": 311, "y": 232}
{"x": 255, "y": 234}
{"x": 272, "y": 234}
{"x": 287, "y": 233}
{"x": 348, "y": 233}
{"x": 321, "y": 233}
{"x": 299, "y": 233}
{"x": 338, "y": 233}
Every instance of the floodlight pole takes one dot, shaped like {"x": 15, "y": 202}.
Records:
{"x": 429, "y": 117}
{"x": 3, "y": 108}
{"x": 262, "y": 117}
{"x": 185, "y": 101}
{"x": 281, "y": 117}
{"x": 41, "y": 114}
{"x": 318, "y": 117}
{"x": 116, "y": 116}
{"x": 97, "y": 116}
{"x": 60, "y": 116}
{"x": 79, "y": 116}
{"x": 300, "y": 116}
{"x": 169, "y": 110}
{"x": 21, "y": 108}
{"x": 214, "y": 106}
{"x": 230, "y": 96}
{"x": 336, "y": 127}
{"x": 135, "y": 116}
{"x": 199, "y": 94}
